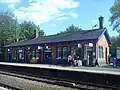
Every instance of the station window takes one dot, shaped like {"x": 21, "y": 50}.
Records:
{"x": 73, "y": 49}
{"x": 59, "y": 52}
{"x": 65, "y": 52}
{"x": 100, "y": 52}
{"x": 14, "y": 54}
{"x": 37, "y": 53}
{"x": 21, "y": 54}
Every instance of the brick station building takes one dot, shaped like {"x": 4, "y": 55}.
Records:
{"x": 54, "y": 49}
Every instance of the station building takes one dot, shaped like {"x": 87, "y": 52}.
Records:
{"x": 54, "y": 49}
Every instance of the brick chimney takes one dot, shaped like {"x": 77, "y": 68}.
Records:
{"x": 101, "y": 18}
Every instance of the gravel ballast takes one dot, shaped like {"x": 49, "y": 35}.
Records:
{"x": 25, "y": 84}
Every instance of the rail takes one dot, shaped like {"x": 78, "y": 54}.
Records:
{"x": 57, "y": 81}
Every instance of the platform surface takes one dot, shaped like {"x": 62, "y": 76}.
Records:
{"x": 100, "y": 70}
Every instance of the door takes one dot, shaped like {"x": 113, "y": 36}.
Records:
{"x": 9, "y": 57}
{"x": 48, "y": 57}
{"x": 90, "y": 57}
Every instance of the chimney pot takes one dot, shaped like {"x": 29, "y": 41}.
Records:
{"x": 101, "y": 22}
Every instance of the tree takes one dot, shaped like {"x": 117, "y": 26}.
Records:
{"x": 71, "y": 29}
{"x": 28, "y": 30}
{"x": 11, "y": 31}
{"x": 115, "y": 43}
{"x": 7, "y": 27}
{"x": 115, "y": 18}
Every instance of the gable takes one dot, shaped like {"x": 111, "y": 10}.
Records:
{"x": 103, "y": 41}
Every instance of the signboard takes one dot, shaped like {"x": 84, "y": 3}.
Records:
{"x": 90, "y": 44}
{"x": 118, "y": 52}
{"x": 79, "y": 45}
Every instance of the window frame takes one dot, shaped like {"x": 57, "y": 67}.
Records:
{"x": 100, "y": 52}
{"x": 65, "y": 50}
{"x": 59, "y": 52}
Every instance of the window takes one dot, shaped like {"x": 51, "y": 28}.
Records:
{"x": 21, "y": 54}
{"x": 14, "y": 54}
{"x": 37, "y": 54}
{"x": 73, "y": 49}
{"x": 32, "y": 52}
{"x": 59, "y": 52}
{"x": 85, "y": 51}
{"x": 65, "y": 52}
{"x": 100, "y": 52}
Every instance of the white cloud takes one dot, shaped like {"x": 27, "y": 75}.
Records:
{"x": 74, "y": 15}
{"x": 63, "y": 18}
{"x": 67, "y": 15}
{"x": 12, "y": 6}
{"x": 41, "y": 11}
{"x": 9, "y": 1}
{"x": 52, "y": 25}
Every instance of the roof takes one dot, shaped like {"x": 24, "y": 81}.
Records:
{"x": 76, "y": 36}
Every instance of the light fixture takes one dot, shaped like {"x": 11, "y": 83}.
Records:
{"x": 39, "y": 47}
{"x": 8, "y": 50}
{"x": 20, "y": 50}
{"x": 47, "y": 47}
{"x": 28, "y": 48}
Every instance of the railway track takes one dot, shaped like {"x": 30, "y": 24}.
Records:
{"x": 56, "y": 81}
{"x": 8, "y": 87}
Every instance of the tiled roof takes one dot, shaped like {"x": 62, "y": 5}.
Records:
{"x": 81, "y": 35}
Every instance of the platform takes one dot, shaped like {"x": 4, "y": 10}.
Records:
{"x": 99, "y": 70}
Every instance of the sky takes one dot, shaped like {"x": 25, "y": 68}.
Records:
{"x": 54, "y": 16}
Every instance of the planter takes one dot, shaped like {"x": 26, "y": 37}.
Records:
{"x": 33, "y": 61}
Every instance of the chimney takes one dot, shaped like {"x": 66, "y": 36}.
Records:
{"x": 101, "y": 22}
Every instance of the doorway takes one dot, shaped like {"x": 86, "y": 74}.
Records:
{"x": 47, "y": 57}
{"x": 90, "y": 54}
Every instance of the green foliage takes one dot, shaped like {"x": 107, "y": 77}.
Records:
{"x": 28, "y": 30}
{"x": 115, "y": 43}
{"x": 71, "y": 29}
{"x": 7, "y": 27}
{"x": 11, "y": 31}
{"x": 115, "y": 18}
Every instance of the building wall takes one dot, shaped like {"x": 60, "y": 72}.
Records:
{"x": 102, "y": 42}
{"x": 55, "y": 46}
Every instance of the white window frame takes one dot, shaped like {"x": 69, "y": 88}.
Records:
{"x": 65, "y": 52}
{"x": 59, "y": 52}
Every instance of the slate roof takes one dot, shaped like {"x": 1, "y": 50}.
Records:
{"x": 81, "y": 35}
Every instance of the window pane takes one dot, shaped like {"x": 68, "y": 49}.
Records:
{"x": 59, "y": 52}
{"x": 102, "y": 53}
{"x": 73, "y": 48}
{"x": 99, "y": 52}
{"x": 65, "y": 52}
